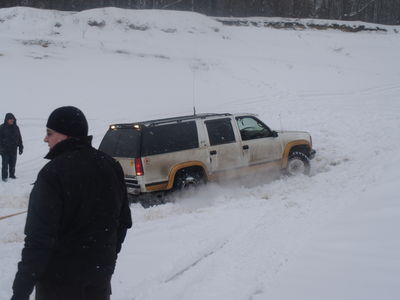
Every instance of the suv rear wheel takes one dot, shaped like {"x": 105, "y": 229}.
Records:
{"x": 298, "y": 163}
{"x": 188, "y": 178}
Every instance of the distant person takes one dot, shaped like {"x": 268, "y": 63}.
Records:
{"x": 10, "y": 140}
{"x": 78, "y": 216}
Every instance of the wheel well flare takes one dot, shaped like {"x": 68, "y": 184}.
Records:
{"x": 194, "y": 166}
{"x": 299, "y": 145}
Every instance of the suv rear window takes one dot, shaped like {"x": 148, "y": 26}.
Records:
{"x": 121, "y": 143}
{"x": 169, "y": 138}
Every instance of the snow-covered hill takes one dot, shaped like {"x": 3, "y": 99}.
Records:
{"x": 329, "y": 236}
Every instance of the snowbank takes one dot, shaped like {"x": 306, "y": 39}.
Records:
{"x": 102, "y": 22}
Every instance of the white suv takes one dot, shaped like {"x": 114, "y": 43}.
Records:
{"x": 173, "y": 153}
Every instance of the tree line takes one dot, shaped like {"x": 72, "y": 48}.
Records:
{"x": 376, "y": 11}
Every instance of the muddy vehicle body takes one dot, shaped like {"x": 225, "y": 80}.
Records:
{"x": 174, "y": 153}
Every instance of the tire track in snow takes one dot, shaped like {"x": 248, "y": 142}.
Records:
{"x": 196, "y": 262}
{"x": 377, "y": 90}
{"x": 256, "y": 249}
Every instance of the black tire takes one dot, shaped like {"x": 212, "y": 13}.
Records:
{"x": 298, "y": 163}
{"x": 188, "y": 179}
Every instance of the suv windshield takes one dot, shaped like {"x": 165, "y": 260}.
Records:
{"x": 252, "y": 128}
{"x": 121, "y": 143}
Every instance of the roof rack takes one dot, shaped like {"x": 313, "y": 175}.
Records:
{"x": 173, "y": 119}
{"x": 183, "y": 118}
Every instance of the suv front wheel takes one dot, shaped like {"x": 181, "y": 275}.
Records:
{"x": 298, "y": 163}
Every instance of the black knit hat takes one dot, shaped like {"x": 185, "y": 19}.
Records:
{"x": 68, "y": 120}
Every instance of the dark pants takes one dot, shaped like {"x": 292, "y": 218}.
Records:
{"x": 8, "y": 159}
{"x": 51, "y": 290}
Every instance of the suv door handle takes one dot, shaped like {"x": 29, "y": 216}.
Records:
{"x": 213, "y": 152}
{"x": 245, "y": 147}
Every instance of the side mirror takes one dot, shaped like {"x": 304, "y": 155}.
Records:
{"x": 274, "y": 133}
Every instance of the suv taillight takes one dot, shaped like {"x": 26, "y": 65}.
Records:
{"x": 139, "y": 167}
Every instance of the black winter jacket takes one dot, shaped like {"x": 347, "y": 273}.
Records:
{"x": 77, "y": 218}
{"x": 10, "y": 136}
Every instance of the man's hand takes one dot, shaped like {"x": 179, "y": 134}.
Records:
{"x": 21, "y": 150}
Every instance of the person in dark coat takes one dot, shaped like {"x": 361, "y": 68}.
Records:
{"x": 78, "y": 216}
{"x": 10, "y": 140}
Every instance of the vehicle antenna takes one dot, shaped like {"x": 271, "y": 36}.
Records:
{"x": 280, "y": 121}
{"x": 194, "y": 91}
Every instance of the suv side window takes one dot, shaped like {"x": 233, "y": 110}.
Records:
{"x": 252, "y": 128}
{"x": 169, "y": 138}
{"x": 220, "y": 131}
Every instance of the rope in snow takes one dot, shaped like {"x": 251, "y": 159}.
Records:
{"x": 16, "y": 214}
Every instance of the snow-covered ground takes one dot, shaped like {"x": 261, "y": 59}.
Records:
{"x": 332, "y": 235}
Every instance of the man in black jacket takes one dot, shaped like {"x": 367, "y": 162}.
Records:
{"x": 10, "y": 140}
{"x": 77, "y": 218}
